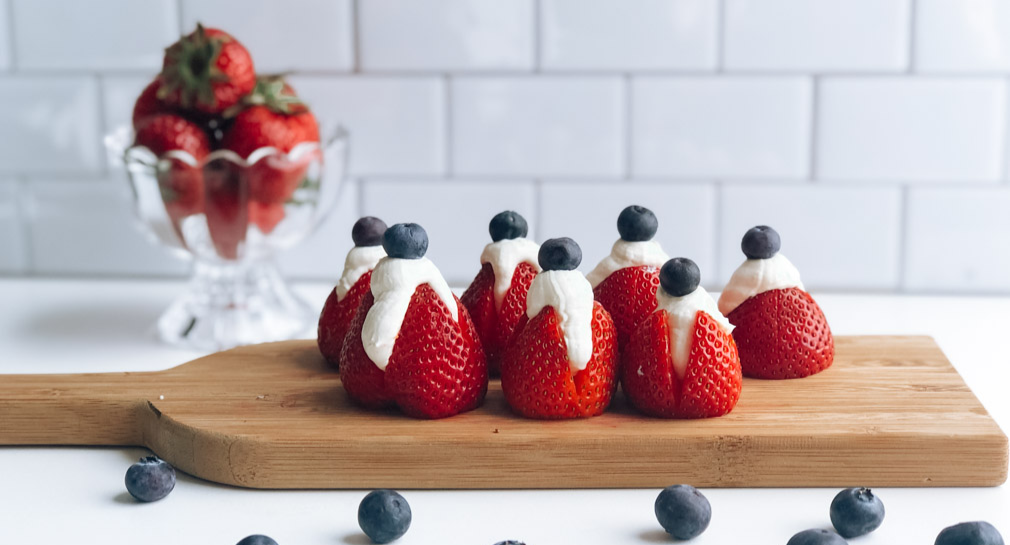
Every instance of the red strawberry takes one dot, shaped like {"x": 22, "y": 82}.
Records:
{"x": 537, "y": 378}
{"x": 335, "y": 319}
{"x": 437, "y": 368}
{"x": 181, "y": 185}
{"x": 495, "y": 327}
{"x": 226, "y": 206}
{"x": 207, "y": 71}
{"x": 629, "y": 295}
{"x": 265, "y": 216}
{"x": 782, "y": 334}
{"x": 148, "y": 103}
{"x": 712, "y": 380}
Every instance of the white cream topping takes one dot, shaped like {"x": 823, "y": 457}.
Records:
{"x": 572, "y": 297}
{"x": 394, "y": 281}
{"x": 681, "y": 314}
{"x": 504, "y": 256}
{"x": 626, "y": 254}
{"x": 756, "y": 276}
{"x": 359, "y": 261}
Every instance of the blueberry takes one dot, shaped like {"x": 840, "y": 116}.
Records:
{"x": 368, "y": 231}
{"x": 637, "y": 223}
{"x": 761, "y": 242}
{"x": 510, "y": 542}
{"x": 683, "y": 511}
{"x": 816, "y": 537}
{"x": 970, "y": 533}
{"x": 405, "y": 240}
{"x": 508, "y": 225}
{"x": 856, "y": 512}
{"x": 257, "y": 540}
{"x": 559, "y": 254}
{"x": 384, "y": 516}
{"x": 150, "y": 479}
{"x": 679, "y": 276}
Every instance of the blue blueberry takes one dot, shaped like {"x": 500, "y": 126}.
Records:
{"x": 508, "y": 225}
{"x": 257, "y": 540}
{"x": 679, "y": 276}
{"x": 817, "y": 537}
{"x": 150, "y": 479}
{"x": 761, "y": 242}
{"x": 970, "y": 533}
{"x": 683, "y": 511}
{"x": 405, "y": 240}
{"x": 637, "y": 223}
{"x": 384, "y": 516}
{"x": 856, "y": 512}
{"x": 368, "y": 231}
{"x": 510, "y": 542}
{"x": 559, "y": 254}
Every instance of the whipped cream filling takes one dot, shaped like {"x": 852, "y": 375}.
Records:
{"x": 504, "y": 256}
{"x": 394, "y": 281}
{"x": 681, "y": 314}
{"x": 757, "y": 276}
{"x": 626, "y": 254}
{"x": 571, "y": 295}
{"x": 359, "y": 260}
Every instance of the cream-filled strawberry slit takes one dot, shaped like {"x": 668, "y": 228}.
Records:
{"x": 625, "y": 254}
{"x": 394, "y": 281}
{"x": 504, "y": 256}
{"x": 682, "y": 315}
{"x": 359, "y": 260}
{"x": 756, "y": 276}
{"x": 571, "y": 296}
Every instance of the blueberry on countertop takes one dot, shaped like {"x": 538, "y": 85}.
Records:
{"x": 559, "y": 254}
{"x": 150, "y": 479}
{"x": 761, "y": 242}
{"x": 257, "y": 540}
{"x": 637, "y": 223}
{"x": 406, "y": 241}
{"x": 679, "y": 276}
{"x": 816, "y": 537}
{"x": 510, "y": 542}
{"x": 856, "y": 512}
{"x": 368, "y": 231}
{"x": 507, "y": 225}
{"x": 683, "y": 511}
{"x": 970, "y": 533}
{"x": 384, "y": 516}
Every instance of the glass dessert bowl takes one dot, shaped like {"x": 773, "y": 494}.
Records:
{"x": 230, "y": 216}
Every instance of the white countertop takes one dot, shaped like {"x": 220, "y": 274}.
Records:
{"x": 71, "y": 495}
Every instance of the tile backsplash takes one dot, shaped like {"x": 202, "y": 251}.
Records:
{"x": 872, "y": 133}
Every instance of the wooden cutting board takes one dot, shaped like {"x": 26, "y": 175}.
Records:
{"x": 891, "y": 411}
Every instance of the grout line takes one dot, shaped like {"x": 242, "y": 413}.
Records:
{"x": 628, "y": 128}
{"x": 903, "y": 217}
{"x": 180, "y": 21}
{"x": 537, "y": 28}
{"x": 355, "y": 37}
{"x": 720, "y": 37}
{"x": 815, "y": 99}
{"x": 913, "y": 36}
{"x": 11, "y": 42}
{"x": 360, "y": 200}
{"x": 448, "y": 132}
{"x": 100, "y": 109}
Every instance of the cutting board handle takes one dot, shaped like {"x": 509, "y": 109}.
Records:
{"x": 84, "y": 409}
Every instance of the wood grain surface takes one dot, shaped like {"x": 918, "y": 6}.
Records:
{"x": 891, "y": 411}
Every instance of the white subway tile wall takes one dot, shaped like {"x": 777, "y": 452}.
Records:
{"x": 873, "y": 134}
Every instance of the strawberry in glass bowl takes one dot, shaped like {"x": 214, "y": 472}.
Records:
{"x": 227, "y": 168}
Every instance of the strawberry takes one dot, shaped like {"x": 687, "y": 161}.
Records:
{"x": 629, "y": 295}
{"x": 496, "y": 327}
{"x": 536, "y": 376}
{"x": 336, "y": 317}
{"x": 207, "y": 71}
{"x": 265, "y": 216}
{"x": 681, "y": 361}
{"x": 782, "y": 334}
{"x": 148, "y": 103}
{"x": 226, "y": 206}
{"x": 181, "y": 184}
{"x": 437, "y": 368}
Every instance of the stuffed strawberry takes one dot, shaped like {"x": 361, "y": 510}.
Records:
{"x": 563, "y": 360}
{"x": 354, "y": 283}
{"x": 681, "y": 361}
{"x": 183, "y": 145}
{"x": 206, "y": 72}
{"x": 278, "y": 136}
{"x": 496, "y": 299}
{"x": 412, "y": 344}
{"x": 780, "y": 330}
{"x": 625, "y": 282}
